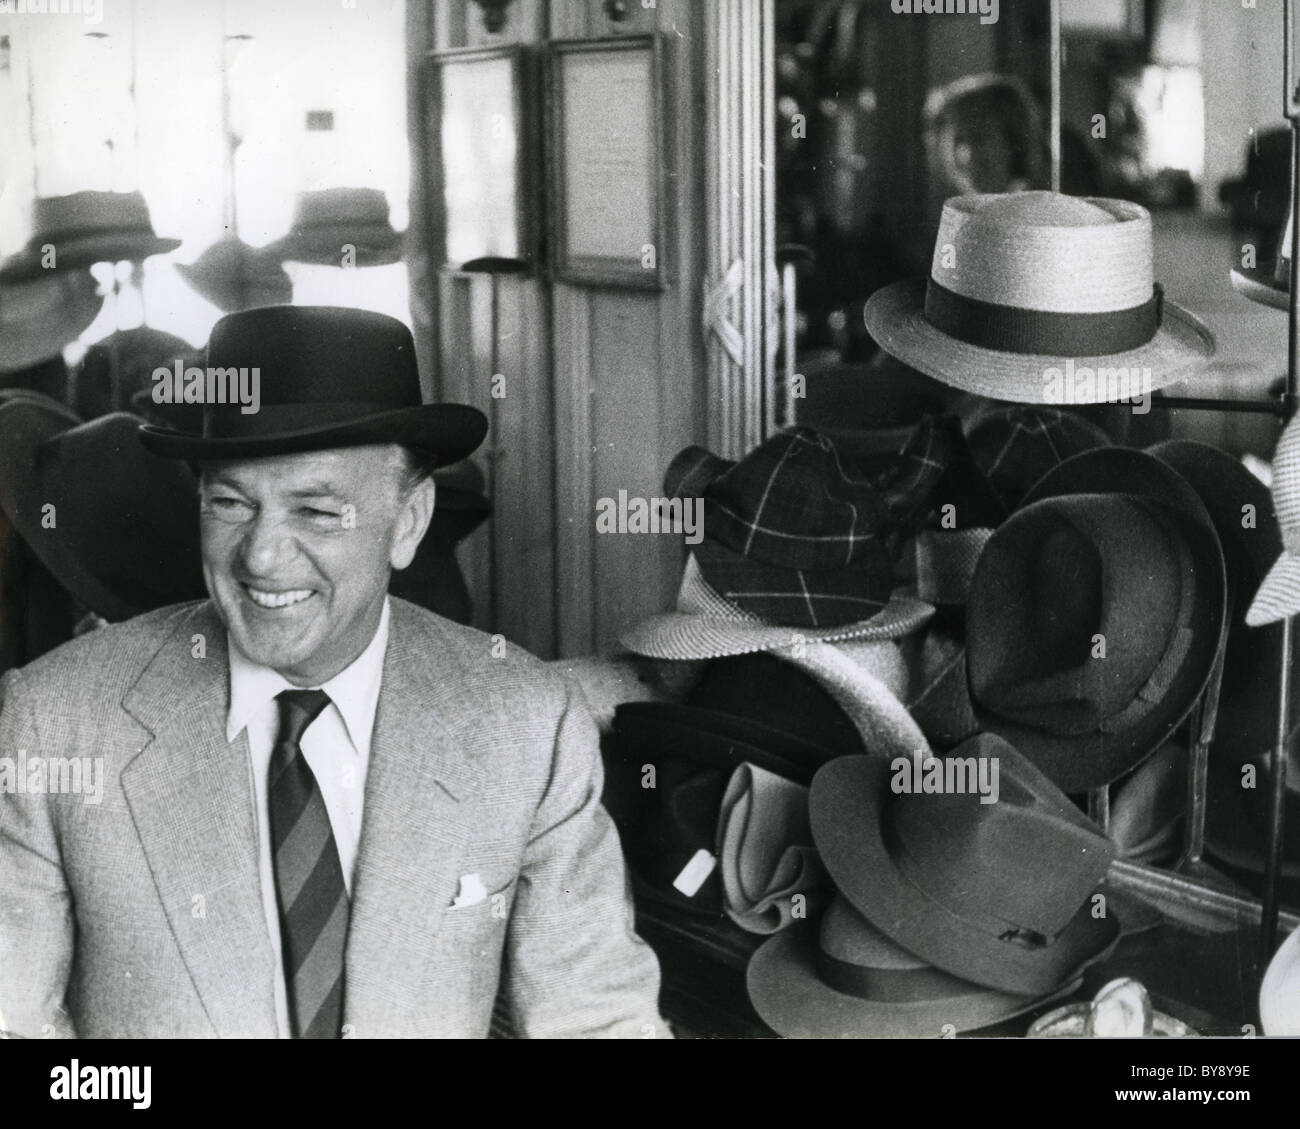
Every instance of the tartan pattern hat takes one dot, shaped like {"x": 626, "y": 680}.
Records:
{"x": 1022, "y": 282}
{"x": 1279, "y": 596}
{"x": 791, "y": 536}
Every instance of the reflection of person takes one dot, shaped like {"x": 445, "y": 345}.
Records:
{"x": 324, "y": 811}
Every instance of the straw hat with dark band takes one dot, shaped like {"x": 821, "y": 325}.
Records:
{"x": 1021, "y": 282}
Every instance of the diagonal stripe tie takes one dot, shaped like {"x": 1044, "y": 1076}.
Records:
{"x": 309, "y": 888}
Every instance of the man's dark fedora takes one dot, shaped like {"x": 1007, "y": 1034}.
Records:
{"x": 327, "y": 220}
{"x": 844, "y": 979}
{"x": 1115, "y": 543}
{"x": 122, "y": 535}
{"x": 996, "y": 893}
{"x": 329, "y": 377}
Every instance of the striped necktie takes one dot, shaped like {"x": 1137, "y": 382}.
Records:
{"x": 309, "y": 888}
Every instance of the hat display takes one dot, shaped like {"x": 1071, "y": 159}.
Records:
{"x": 1022, "y": 283}
{"x": 1279, "y": 994}
{"x": 1121, "y": 1009}
{"x": 122, "y": 543}
{"x": 1269, "y": 283}
{"x": 843, "y": 978}
{"x": 1278, "y": 597}
{"x": 1095, "y": 615}
{"x": 328, "y": 220}
{"x": 995, "y": 893}
{"x": 234, "y": 276}
{"x": 39, "y": 316}
{"x": 329, "y": 377}
{"x": 86, "y": 228}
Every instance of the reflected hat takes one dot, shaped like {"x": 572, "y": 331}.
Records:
{"x": 1269, "y": 283}
{"x": 328, "y": 220}
{"x": 843, "y": 978}
{"x": 995, "y": 893}
{"x": 86, "y": 228}
{"x": 1022, "y": 282}
{"x": 1111, "y": 550}
{"x": 38, "y": 317}
{"x": 1278, "y": 597}
{"x": 124, "y": 536}
{"x": 234, "y": 276}
{"x": 329, "y": 377}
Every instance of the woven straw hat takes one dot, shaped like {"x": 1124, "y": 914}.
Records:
{"x": 1031, "y": 293}
{"x": 1279, "y": 596}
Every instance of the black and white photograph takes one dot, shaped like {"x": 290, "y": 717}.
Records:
{"x": 658, "y": 520}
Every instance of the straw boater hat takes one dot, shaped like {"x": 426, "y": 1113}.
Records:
{"x": 1021, "y": 283}
{"x": 87, "y": 228}
{"x": 1279, "y": 596}
{"x": 40, "y": 316}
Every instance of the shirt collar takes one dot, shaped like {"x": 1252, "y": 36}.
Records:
{"x": 354, "y": 690}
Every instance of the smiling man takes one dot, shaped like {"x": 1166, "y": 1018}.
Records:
{"x": 326, "y": 813}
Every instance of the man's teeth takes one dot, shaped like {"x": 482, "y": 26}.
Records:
{"x": 278, "y": 599}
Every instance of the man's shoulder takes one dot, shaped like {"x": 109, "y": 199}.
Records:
{"x": 117, "y": 652}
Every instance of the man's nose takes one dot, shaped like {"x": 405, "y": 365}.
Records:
{"x": 267, "y": 545}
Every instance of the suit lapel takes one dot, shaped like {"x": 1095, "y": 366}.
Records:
{"x": 192, "y": 804}
{"x": 419, "y": 814}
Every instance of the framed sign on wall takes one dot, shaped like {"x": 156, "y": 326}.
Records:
{"x": 480, "y": 138}
{"x": 605, "y": 127}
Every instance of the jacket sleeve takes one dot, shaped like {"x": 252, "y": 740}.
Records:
{"x": 574, "y": 966}
{"x": 36, "y": 924}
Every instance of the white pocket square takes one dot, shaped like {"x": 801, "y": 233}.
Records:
{"x": 471, "y": 892}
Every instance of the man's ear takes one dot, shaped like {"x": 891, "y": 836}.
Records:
{"x": 413, "y": 518}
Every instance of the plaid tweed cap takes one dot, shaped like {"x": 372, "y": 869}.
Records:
{"x": 1279, "y": 596}
{"x": 791, "y": 536}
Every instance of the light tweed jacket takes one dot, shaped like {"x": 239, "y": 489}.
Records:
{"x": 142, "y": 915}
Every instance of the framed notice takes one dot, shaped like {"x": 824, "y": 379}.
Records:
{"x": 479, "y": 148}
{"x": 605, "y": 117}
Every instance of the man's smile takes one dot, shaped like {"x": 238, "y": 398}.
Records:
{"x": 274, "y": 598}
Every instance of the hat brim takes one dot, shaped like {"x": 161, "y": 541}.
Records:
{"x": 1260, "y": 285}
{"x": 74, "y": 303}
{"x": 26, "y": 423}
{"x": 265, "y": 286}
{"x": 895, "y": 317}
{"x": 449, "y": 431}
{"x": 375, "y": 245}
{"x": 1278, "y": 597}
{"x": 85, "y": 251}
{"x": 846, "y": 804}
{"x": 1081, "y": 762}
{"x": 686, "y": 635}
{"x": 790, "y": 998}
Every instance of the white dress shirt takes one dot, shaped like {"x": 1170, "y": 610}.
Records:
{"x": 337, "y": 747}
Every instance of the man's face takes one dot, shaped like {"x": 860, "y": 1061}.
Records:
{"x": 297, "y": 552}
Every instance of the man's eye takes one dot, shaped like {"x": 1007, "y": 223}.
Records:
{"x": 231, "y": 508}
{"x": 320, "y": 515}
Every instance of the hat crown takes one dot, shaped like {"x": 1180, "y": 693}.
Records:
{"x": 82, "y": 212}
{"x": 331, "y": 206}
{"x": 1046, "y": 251}
{"x": 1025, "y": 862}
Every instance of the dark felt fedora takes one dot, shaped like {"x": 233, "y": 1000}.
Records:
{"x": 40, "y": 316}
{"x": 122, "y": 535}
{"x": 1113, "y": 543}
{"x": 844, "y": 979}
{"x": 790, "y": 535}
{"x": 330, "y": 219}
{"x": 996, "y": 893}
{"x": 234, "y": 276}
{"x": 329, "y": 377}
{"x": 86, "y": 228}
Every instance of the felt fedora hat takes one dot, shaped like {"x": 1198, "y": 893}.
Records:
{"x": 234, "y": 276}
{"x": 995, "y": 893}
{"x": 842, "y": 978}
{"x": 38, "y": 317}
{"x": 329, "y": 377}
{"x": 86, "y": 228}
{"x": 1241, "y": 508}
{"x": 1278, "y": 597}
{"x": 1111, "y": 549}
{"x": 1269, "y": 283}
{"x": 122, "y": 535}
{"x": 1031, "y": 291}
{"x": 327, "y": 221}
